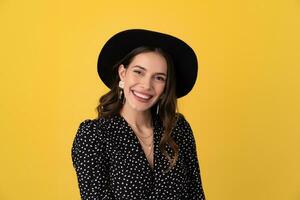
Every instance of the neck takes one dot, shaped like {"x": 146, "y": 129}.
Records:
{"x": 136, "y": 118}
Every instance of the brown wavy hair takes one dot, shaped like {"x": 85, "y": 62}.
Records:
{"x": 110, "y": 104}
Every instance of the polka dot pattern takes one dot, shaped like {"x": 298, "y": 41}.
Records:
{"x": 110, "y": 163}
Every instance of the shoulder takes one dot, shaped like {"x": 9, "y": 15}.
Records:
{"x": 182, "y": 129}
{"x": 89, "y": 136}
{"x": 90, "y": 129}
{"x": 89, "y": 139}
{"x": 181, "y": 121}
{"x": 96, "y": 127}
{"x": 90, "y": 125}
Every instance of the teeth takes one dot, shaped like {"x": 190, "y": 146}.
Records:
{"x": 141, "y": 95}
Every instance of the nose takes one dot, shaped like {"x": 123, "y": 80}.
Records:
{"x": 146, "y": 83}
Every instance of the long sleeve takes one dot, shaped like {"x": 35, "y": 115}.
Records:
{"x": 90, "y": 161}
{"x": 195, "y": 189}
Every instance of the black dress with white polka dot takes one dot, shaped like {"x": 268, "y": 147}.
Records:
{"x": 111, "y": 164}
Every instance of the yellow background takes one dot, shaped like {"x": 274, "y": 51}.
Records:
{"x": 244, "y": 109}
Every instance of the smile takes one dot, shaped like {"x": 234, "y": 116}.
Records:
{"x": 141, "y": 95}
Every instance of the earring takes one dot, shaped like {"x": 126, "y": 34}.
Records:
{"x": 121, "y": 84}
{"x": 157, "y": 108}
{"x": 121, "y": 95}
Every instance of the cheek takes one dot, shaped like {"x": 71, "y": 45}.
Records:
{"x": 129, "y": 83}
{"x": 130, "y": 80}
{"x": 160, "y": 89}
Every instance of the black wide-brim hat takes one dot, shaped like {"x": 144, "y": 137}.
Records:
{"x": 122, "y": 43}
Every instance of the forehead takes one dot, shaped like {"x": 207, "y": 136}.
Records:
{"x": 151, "y": 61}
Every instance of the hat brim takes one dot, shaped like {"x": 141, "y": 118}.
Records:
{"x": 119, "y": 45}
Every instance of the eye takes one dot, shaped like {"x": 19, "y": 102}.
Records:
{"x": 137, "y": 71}
{"x": 160, "y": 78}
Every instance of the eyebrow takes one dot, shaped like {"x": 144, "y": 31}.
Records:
{"x": 159, "y": 73}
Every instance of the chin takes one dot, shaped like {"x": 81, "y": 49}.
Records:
{"x": 140, "y": 108}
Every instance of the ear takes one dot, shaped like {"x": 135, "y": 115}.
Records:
{"x": 122, "y": 72}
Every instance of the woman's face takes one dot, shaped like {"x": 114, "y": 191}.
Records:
{"x": 144, "y": 80}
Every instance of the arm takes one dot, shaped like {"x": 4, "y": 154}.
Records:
{"x": 195, "y": 184}
{"x": 90, "y": 161}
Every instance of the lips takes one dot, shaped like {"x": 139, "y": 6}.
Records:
{"x": 142, "y": 96}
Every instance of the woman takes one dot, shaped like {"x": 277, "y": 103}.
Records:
{"x": 139, "y": 147}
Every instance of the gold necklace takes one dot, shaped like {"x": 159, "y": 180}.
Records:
{"x": 149, "y": 146}
{"x": 144, "y": 136}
